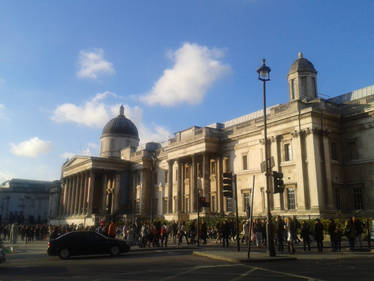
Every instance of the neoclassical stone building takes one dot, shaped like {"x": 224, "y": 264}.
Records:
{"x": 323, "y": 147}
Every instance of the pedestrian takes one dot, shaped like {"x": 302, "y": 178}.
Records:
{"x": 350, "y": 232}
{"x": 290, "y": 241}
{"x": 204, "y": 231}
{"x": 164, "y": 235}
{"x": 318, "y": 233}
{"x": 359, "y": 230}
{"x": 112, "y": 230}
{"x": 280, "y": 233}
{"x": 305, "y": 235}
{"x": 257, "y": 228}
{"x": 225, "y": 234}
{"x": 331, "y": 230}
{"x": 182, "y": 233}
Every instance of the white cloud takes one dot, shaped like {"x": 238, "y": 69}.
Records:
{"x": 93, "y": 113}
{"x": 92, "y": 63}
{"x": 67, "y": 155}
{"x": 96, "y": 113}
{"x": 31, "y": 148}
{"x": 91, "y": 149}
{"x": 195, "y": 69}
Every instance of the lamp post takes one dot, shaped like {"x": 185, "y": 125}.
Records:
{"x": 264, "y": 76}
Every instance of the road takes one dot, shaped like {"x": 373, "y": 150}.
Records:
{"x": 177, "y": 264}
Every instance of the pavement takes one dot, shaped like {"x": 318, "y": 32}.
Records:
{"x": 216, "y": 252}
{"x": 260, "y": 255}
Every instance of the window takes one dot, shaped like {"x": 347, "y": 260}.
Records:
{"x": 314, "y": 85}
{"x": 338, "y": 201}
{"x": 334, "y": 153}
{"x": 291, "y": 198}
{"x": 187, "y": 206}
{"x": 245, "y": 162}
{"x": 166, "y": 176}
{"x": 213, "y": 167}
{"x": 214, "y": 204}
{"x": 228, "y": 204}
{"x": 293, "y": 89}
{"x": 137, "y": 207}
{"x": 287, "y": 152}
{"x": 187, "y": 172}
{"x": 164, "y": 205}
{"x": 352, "y": 150}
{"x": 357, "y": 198}
{"x": 245, "y": 201}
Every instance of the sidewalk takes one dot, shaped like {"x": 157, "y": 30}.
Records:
{"x": 232, "y": 255}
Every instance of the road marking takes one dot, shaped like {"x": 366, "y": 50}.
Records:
{"x": 308, "y": 278}
{"x": 199, "y": 267}
{"x": 244, "y": 274}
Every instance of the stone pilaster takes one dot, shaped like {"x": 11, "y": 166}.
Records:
{"x": 193, "y": 185}
{"x": 91, "y": 185}
{"x": 170, "y": 186}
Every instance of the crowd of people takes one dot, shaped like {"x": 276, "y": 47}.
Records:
{"x": 286, "y": 232}
{"x": 289, "y": 231}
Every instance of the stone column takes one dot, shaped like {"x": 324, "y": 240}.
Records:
{"x": 91, "y": 185}
{"x": 221, "y": 169}
{"x": 326, "y": 147}
{"x": 179, "y": 189}
{"x": 76, "y": 194}
{"x": 219, "y": 163}
{"x": 80, "y": 193}
{"x": 104, "y": 187}
{"x": 70, "y": 196}
{"x": 193, "y": 184}
{"x": 205, "y": 174}
{"x": 85, "y": 192}
{"x": 314, "y": 165}
{"x": 64, "y": 197}
{"x": 115, "y": 193}
{"x": 170, "y": 186}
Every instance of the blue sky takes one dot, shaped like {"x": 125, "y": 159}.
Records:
{"x": 66, "y": 66}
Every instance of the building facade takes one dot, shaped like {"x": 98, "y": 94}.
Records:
{"x": 323, "y": 147}
{"x": 28, "y": 201}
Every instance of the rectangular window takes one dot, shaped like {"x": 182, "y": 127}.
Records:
{"x": 228, "y": 204}
{"x": 213, "y": 167}
{"x": 164, "y": 205}
{"x": 338, "y": 199}
{"x": 245, "y": 162}
{"x": 287, "y": 152}
{"x": 293, "y": 89}
{"x": 334, "y": 152}
{"x": 187, "y": 206}
{"x": 245, "y": 202}
{"x": 357, "y": 198}
{"x": 291, "y": 199}
{"x": 137, "y": 207}
{"x": 213, "y": 204}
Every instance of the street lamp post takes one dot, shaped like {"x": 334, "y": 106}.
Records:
{"x": 264, "y": 76}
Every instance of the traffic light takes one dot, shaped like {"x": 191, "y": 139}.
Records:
{"x": 227, "y": 184}
{"x": 203, "y": 202}
{"x": 278, "y": 182}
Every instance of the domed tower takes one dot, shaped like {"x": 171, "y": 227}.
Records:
{"x": 302, "y": 79}
{"x": 118, "y": 134}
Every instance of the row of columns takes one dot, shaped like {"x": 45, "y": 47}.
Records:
{"x": 177, "y": 190}
{"x": 77, "y": 194}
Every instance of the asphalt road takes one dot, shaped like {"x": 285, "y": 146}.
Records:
{"x": 176, "y": 265}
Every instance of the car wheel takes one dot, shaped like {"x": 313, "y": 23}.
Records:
{"x": 64, "y": 253}
{"x": 114, "y": 251}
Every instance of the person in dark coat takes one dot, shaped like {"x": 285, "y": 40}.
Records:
{"x": 225, "y": 234}
{"x": 305, "y": 235}
{"x": 280, "y": 233}
{"x": 204, "y": 232}
{"x": 318, "y": 233}
{"x": 331, "y": 231}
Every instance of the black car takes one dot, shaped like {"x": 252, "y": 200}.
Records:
{"x": 85, "y": 243}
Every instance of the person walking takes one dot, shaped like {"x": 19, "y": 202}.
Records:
{"x": 359, "y": 230}
{"x": 318, "y": 232}
{"x": 225, "y": 234}
{"x": 290, "y": 241}
{"x": 112, "y": 230}
{"x": 280, "y": 233}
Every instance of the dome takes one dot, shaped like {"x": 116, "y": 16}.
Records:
{"x": 302, "y": 65}
{"x": 120, "y": 125}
